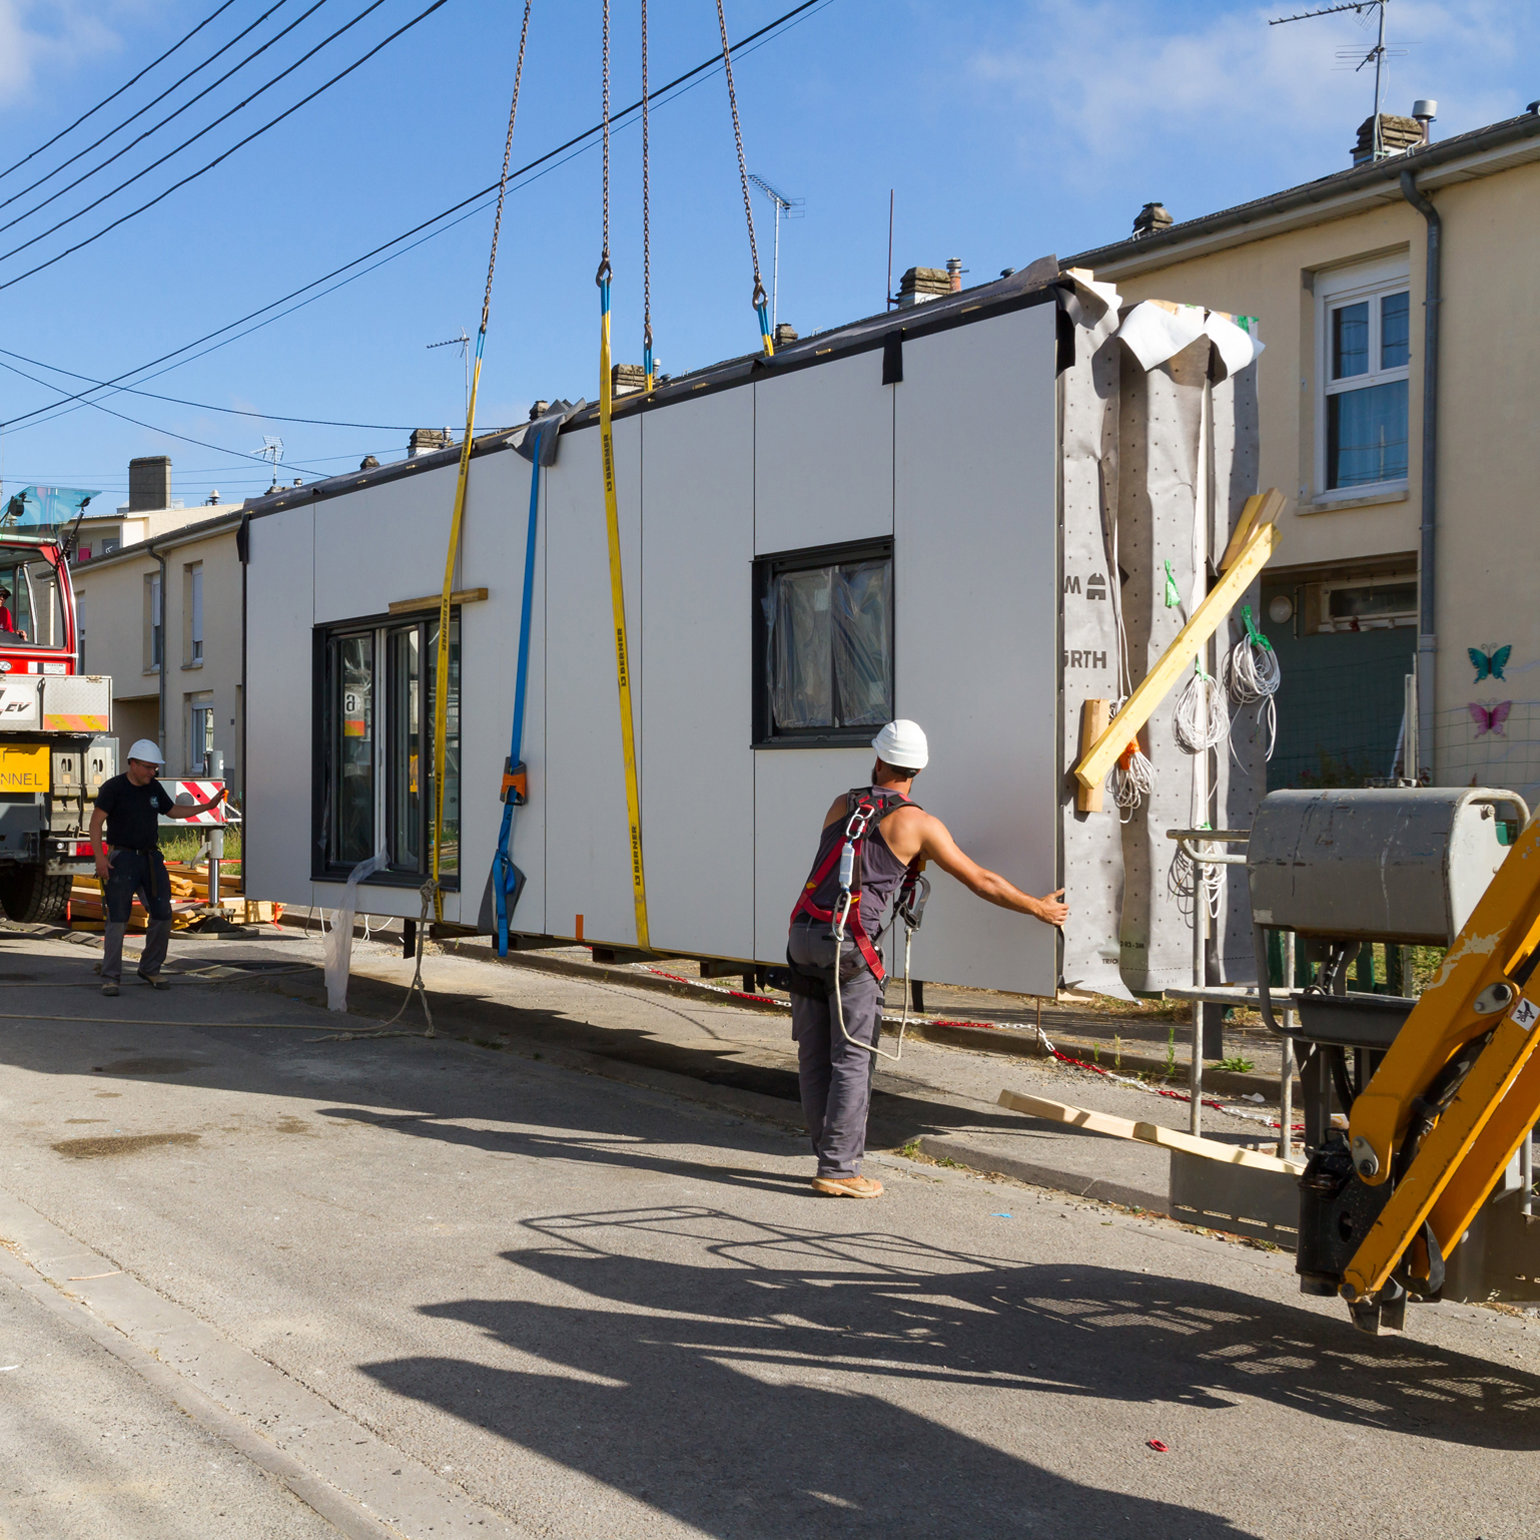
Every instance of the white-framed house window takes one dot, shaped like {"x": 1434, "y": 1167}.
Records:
{"x": 192, "y": 598}
{"x": 154, "y": 641}
{"x": 200, "y": 732}
{"x": 1363, "y": 349}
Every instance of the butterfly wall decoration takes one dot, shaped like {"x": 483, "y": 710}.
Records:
{"x": 1489, "y": 662}
{"x": 1490, "y": 719}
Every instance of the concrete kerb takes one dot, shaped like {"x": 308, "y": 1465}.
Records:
{"x": 784, "y": 1113}
{"x": 1009, "y": 1042}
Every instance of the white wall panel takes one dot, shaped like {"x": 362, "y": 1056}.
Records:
{"x": 588, "y": 865}
{"x": 792, "y": 791}
{"x": 975, "y": 606}
{"x": 823, "y": 455}
{"x": 383, "y": 543}
{"x": 279, "y": 601}
{"x": 697, "y": 510}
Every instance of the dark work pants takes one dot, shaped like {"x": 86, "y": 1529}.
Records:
{"x": 142, "y": 873}
{"x": 835, "y": 1074}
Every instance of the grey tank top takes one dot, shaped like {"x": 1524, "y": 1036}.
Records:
{"x": 881, "y": 870}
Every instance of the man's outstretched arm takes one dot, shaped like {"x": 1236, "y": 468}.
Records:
{"x": 939, "y": 846}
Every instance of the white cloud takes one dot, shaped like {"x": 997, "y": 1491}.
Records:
{"x": 41, "y": 39}
{"x": 1150, "y": 81}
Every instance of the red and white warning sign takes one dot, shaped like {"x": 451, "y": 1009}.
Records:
{"x": 205, "y": 793}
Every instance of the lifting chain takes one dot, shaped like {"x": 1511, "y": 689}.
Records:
{"x": 647, "y": 368}
{"x": 760, "y": 298}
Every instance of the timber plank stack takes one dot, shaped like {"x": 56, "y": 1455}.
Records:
{"x": 189, "y": 899}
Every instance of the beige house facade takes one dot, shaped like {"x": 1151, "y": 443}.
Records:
{"x": 164, "y": 619}
{"x": 1406, "y": 549}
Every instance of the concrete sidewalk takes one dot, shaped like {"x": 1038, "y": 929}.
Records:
{"x": 574, "y": 1283}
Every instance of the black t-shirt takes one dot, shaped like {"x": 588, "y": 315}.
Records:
{"x": 132, "y": 811}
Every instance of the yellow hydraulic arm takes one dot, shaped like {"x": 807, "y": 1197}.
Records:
{"x": 1459, "y": 1090}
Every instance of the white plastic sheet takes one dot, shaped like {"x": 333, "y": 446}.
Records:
{"x": 339, "y": 939}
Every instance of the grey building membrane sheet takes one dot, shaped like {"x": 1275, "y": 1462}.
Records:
{"x": 1159, "y": 455}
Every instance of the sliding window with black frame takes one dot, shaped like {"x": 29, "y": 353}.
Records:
{"x": 823, "y": 645}
{"x": 373, "y": 780}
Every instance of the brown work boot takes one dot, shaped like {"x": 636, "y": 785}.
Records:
{"x": 109, "y": 988}
{"x": 847, "y": 1186}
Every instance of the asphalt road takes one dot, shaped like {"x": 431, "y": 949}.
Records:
{"x": 467, "y": 1291}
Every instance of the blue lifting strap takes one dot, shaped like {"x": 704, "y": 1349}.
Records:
{"x": 507, "y": 879}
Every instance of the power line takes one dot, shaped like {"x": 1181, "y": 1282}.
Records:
{"x": 208, "y": 128}
{"x": 154, "y": 428}
{"x": 153, "y": 102}
{"x": 186, "y": 38}
{"x": 207, "y": 406}
{"x": 46, "y": 413}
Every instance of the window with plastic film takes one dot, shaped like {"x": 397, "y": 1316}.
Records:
{"x": 823, "y": 644}
{"x": 375, "y": 751}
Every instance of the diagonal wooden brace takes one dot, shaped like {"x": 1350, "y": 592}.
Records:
{"x": 1178, "y": 657}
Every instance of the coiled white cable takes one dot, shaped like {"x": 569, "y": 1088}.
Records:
{"x": 1199, "y": 718}
{"x": 1252, "y": 676}
{"x": 1132, "y": 782}
{"x": 1181, "y": 881}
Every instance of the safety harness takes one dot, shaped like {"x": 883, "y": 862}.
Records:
{"x": 865, "y": 807}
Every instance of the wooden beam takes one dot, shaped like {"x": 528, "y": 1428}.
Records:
{"x": 1261, "y": 508}
{"x": 1094, "y": 716}
{"x": 1145, "y": 1133}
{"x": 1177, "y": 658}
{"x": 432, "y": 601}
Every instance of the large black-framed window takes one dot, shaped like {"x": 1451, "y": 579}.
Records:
{"x": 374, "y": 695}
{"x": 823, "y": 644}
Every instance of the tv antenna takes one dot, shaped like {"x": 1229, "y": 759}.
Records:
{"x": 271, "y": 451}
{"x": 792, "y": 208}
{"x": 1377, "y": 55}
{"x": 463, "y": 342}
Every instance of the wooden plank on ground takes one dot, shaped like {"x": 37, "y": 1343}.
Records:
{"x": 1145, "y": 1132}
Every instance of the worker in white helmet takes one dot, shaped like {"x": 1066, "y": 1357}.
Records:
{"x": 874, "y": 840}
{"x": 125, "y": 833}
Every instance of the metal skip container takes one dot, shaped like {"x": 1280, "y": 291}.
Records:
{"x": 1378, "y": 864}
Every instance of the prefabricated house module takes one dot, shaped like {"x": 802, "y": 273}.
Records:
{"x": 972, "y": 513}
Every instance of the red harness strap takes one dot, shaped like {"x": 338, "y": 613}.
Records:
{"x": 856, "y": 929}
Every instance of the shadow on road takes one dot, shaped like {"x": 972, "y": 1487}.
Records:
{"x": 737, "y": 1376}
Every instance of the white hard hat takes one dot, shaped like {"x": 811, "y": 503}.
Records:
{"x": 147, "y": 752}
{"x": 902, "y": 744}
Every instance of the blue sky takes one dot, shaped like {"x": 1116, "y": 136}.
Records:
{"x": 1007, "y": 128}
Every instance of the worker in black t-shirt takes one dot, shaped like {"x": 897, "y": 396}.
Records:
{"x": 128, "y": 861}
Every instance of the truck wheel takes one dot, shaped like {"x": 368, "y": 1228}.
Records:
{"x": 29, "y": 894}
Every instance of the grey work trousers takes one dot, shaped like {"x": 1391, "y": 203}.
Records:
{"x": 143, "y": 873}
{"x": 835, "y": 1074}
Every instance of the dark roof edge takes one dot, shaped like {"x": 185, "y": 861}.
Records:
{"x": 1340, "y": 183}
{"x": 183, "y": 534}
{"x": 1027, "y": 286}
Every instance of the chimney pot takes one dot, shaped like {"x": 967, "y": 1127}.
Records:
{"x": 424, "y": 441}
{"x": 627, "y": 379}
{"x": 1425, "y": 110}
{"x": 923, "y": 283}
{"x": 785, "y": 335}
{"x": 954, "y": 272}
{"x": 149, "y": 483}
{"x": 1151, "y": 218}
{"x": 368, "y": 463}
{"x": 1397, "y": 135}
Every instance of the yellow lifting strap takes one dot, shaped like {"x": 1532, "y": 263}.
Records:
{"x": 618, "y": 607}
{"x": 441, "y": 665}
{"x": 612, "y": 522}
